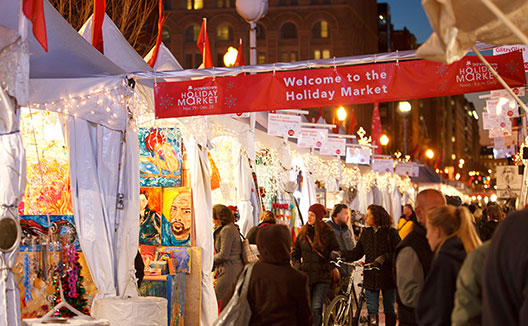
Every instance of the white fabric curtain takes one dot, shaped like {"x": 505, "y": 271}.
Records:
{"x": 203, "y": 216}
{"x": 244, "y": 181}
{"x": 396, "y": 204}
{"x": 108, "y": 236}
{"x": 308, "y": 195}
{"x": 13, "y": 184}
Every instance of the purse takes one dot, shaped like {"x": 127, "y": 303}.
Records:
{"x": 248, "y": 255}
{"x": 237, "y": 312}
{"x": 335, "y": 276}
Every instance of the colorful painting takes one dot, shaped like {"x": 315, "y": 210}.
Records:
{"x": 173, "y": 289}
{"x": 34, "y": 226}
{"x": 180, "y": 256}
{"x": 150, "y": 216}
{"x": 176, "y": 217}
{"x": 160, "y": 157}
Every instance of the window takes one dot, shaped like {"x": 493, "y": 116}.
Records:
{"x": 166, "y": 4}
{"x": 261, "y": 32}
{"x": 261, "y": 58}
{"x": 320, "y": 29}
{"x": 192, "y": 61}
{"x": 224, "y": 4}
{"x": 321, "y": 54}
{"x": 288, "y": 56}
{"x": 224, "y": 32}
{"x": 194, "y": 4}
{"x": 165, "y": 36}
{"x": 288, "y": 31}
{"x": 192, "y": 33}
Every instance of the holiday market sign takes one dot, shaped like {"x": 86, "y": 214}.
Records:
{"x": 371, "y": 83}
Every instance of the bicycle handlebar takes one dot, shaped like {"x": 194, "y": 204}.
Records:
{"x": 366, "y": 267}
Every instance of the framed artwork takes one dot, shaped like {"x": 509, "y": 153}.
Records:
{"x": 160, "y": 157}
{"x": 150, "y": 216}
{"x": 176, "y": 218}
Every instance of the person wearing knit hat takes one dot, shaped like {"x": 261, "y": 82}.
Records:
{"x": 311, "y": 255}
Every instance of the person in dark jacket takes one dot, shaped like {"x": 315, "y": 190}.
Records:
{"x": 451, "y": 236}
{"x": 266, "y": 218}
{"x": 494, "y": 215}
{"x": 505, "y": 286}
{"x": 377, "y": 243}
{"x": 311, "y": 255}
{"x": 277, "y": 294}
{"x": 227, "y": 262}
{"x": 345, "y": 238}
{"x": 413, "y": 258}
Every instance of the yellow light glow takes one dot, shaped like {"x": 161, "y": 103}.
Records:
{"x": 384, "y": 140}
{"x": 479, "y": 197}
{"x": 341, "y": 114}
{"x": 230, "y": 56}
{"x": 461, "y": 161}
{"x": 457, "y": 177}
{"x": 489, "y": 171}
{"x": 453, "y": 157}
{"x": 404, "y": 107}
{"x": 429, "y": 154}
{"x": 446, "y": 170}
{"x": 493, "y": 197}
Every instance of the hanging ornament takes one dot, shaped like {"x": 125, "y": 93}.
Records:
{"x": 27, "y": 282}
{"x": 72, "y": 272}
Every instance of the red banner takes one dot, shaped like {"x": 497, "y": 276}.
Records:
{"x": 371, "y": 83}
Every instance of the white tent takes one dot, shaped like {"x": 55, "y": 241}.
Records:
{"x": 165, "y": 60}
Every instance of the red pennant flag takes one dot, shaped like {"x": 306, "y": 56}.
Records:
{"x": 97, "y": 24}
{"x": 34, "y": 11}
{"x": 240, "y": 58}
{"x": 161, "y": 18}
{"x": 353, "y": 123}
{"x": 203, "y": 45}
{"x": 376, "y": 128}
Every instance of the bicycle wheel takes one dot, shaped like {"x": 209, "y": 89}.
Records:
{"x": 338, "y": 313}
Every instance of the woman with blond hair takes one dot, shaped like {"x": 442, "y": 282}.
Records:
{"x": 266, "y": 218}
{"x": 451, "y": 236}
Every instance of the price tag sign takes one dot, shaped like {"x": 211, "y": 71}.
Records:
{"x": 312, "y": 138}
{"x": 240, "y": 115}
{"x": 407, "y": 169}
{"x": 358, "y": 155}
{"x": 334, "y": 146}
{"x": 383, "y": 165}
{"x": 284, "y": 125}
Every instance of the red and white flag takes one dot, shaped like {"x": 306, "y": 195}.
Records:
{"x": 161, "y": 18}
{"x": 34, "y": 11}
{"x": 240, "y": 58}
{"x": 97, "y": 25}
{"x": 203, "y": 46}
{"x": 377, "y": 131}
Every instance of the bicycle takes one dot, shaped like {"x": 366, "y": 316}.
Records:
{"x": 340, "y": 311}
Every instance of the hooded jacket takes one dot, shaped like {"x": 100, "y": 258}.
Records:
{"x": 437, "y": 296}
{"x": 278, "y": 294}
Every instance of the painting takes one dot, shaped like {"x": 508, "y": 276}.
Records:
{"x": 176, "y": 218}
{"x": 160, "y": 157}
{"x": 173, "y": 289}
{"x": 35, "y": 226}
{"x": 179, "y": 256}
{"x": 150, "y": 216}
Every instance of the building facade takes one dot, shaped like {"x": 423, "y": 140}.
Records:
{"x": 292, "y": 30}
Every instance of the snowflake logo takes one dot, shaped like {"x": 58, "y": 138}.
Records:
{"x": 230, "y": 85}
{"x": 513, "y": 67}
{"x": 230, "y": 101}
{"x": 166, "y": 101}
{"x": 441, "y": 70}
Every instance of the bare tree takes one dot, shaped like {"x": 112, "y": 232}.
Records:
{"x": 136, "y": 19}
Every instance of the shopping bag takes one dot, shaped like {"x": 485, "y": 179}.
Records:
{"x": 237, "y": 312}
{"x": 248, "y": 255}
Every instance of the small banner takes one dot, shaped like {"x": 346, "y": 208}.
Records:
{"x": 312, "y": 137}
{"x": 358, "y": 84}
{"x": 383, "y": 165}
{"x": 284, "y": 125}
{"x": 513, "y": 48}
{"x": 407, "y": 169}
{"x": 509, "y": 181}
{"x": 491, "y": 121}
{"x": 358, "y": 155}
{"x": 334, "y": 146}
{"x": 519, "y": 91}
{"x": 504, "y": 106}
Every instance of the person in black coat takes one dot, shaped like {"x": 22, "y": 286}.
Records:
{"x": 451, "y": 236}
{"x": 377, "y": 244}
{"x": 311, "y": 255}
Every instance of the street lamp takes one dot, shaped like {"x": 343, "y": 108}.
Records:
{"x": 384, "y": 140}
{"x": 404, "y": 108}
{"x": 252, "y": 11}
{"x": 429, "y": 154}
{"x": 230, "y": 57}
{"x": 341, "y": 114}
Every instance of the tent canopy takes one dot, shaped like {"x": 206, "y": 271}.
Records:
{"x": 69, "y": 55}
{"x": 455, "y": 32}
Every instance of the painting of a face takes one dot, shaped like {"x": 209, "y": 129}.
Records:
{"x": 180, "y": 216}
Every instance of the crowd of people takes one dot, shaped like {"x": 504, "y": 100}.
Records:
{"x": 439, "y": 265}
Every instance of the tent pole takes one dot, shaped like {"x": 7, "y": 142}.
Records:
{"x": 499, "y": 78}
{"x": 494, "y": 9}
